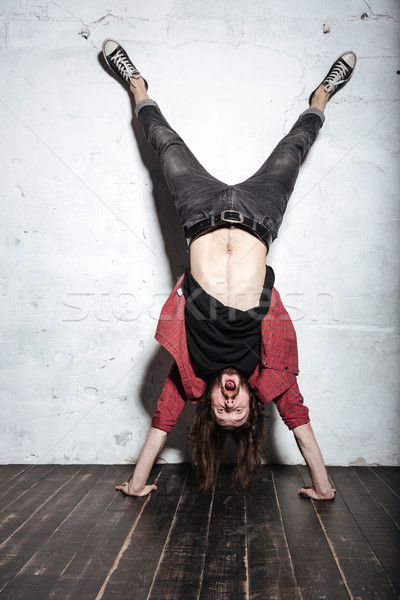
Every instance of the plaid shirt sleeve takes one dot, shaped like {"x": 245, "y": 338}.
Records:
{"x": 171, "y": 402}
{"x": 291, "y": 408}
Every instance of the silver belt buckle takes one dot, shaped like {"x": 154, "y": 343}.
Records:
{"x": 240, "y": 218}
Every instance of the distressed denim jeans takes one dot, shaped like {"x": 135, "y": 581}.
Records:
{"x": 197, "y": 195}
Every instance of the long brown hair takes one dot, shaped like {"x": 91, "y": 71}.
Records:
{"x": 207, "y": 439}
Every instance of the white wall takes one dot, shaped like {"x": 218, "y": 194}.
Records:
{"x": 91, "y": 245}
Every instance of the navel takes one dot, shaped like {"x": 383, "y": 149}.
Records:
{"x": 229, "y": 245}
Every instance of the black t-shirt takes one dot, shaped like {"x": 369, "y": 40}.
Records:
{"x": 220, "y": 336}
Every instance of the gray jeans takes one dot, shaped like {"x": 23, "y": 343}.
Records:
{"x": 203, "y": 202}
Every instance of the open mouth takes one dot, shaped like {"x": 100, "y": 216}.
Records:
{"x": 230, "y": 385}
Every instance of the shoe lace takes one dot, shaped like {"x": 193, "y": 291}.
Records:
{"x": 336, "y": 76}
{"x": 124, "y": 65}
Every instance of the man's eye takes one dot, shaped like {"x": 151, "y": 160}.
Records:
{"x": 221, "y": 410}
{"x": 239, "y": 410}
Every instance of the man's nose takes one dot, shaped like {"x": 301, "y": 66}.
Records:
{"x": 229, "y": 402}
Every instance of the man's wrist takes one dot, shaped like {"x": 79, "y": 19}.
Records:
{"x": 323, "y": 489}
{"x": 135, "y": 487}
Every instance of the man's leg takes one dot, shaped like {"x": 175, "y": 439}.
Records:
{"x": 193, "y": 189}
{"x": 267, "y": 192}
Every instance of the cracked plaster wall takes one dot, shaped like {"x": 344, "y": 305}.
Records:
{"x": 91, "y": 247}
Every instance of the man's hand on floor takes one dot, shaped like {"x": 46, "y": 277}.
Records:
{"x": 127, "y": 489}
{"x": 311, "y": 491}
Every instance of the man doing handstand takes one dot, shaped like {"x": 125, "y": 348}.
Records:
{"x": 233, "y": 344}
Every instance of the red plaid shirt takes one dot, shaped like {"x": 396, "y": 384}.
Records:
{"x": 273, "y": 379}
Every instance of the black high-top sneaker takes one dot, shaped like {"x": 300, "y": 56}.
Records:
{"x": 118, "y": 60}
{"x": 338, "y": 75}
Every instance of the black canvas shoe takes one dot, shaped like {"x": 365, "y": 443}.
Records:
{"x": 338, "y": 75}
{"x": 118, "y": 60}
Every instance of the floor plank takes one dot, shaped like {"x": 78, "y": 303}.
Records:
{"x": 27, "y": 539}
{"x": 351, "y": 550}
{"x": 57, "y": 552}
{"x": 67, "y": 535}
{"x": 225, "y": 570}
{"x": 22, "y": 509}
{"x": 271, "y": 574}
{"x": 375, "y": 525}
{"x": 134, "y": 573}
{"x": 34, "y": 588}
{"x": 385, "y": 495}
{"x": 391, "y": 476}
{"x": 23, "y": 483}
{"x": 10, "y": 472}
{"x": 180, "y": 571}
{"x": 314, "y": 566}
{"x": 88, "y": 569}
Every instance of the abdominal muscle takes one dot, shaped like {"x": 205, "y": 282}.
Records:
{"x": 229, "y": 264}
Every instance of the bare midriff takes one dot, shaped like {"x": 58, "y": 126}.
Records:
{"x": 229, "y": 264}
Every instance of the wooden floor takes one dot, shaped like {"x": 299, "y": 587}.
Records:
{"x": 65, "y": 534}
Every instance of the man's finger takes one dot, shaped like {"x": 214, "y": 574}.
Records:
{"x": 120, "y": 487}
{"x": 307, "y": 492}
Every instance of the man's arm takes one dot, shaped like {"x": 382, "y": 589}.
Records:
{"x": 169, "y": 407}
{"x": 136, "y": 484}
{"x": 321, "y": 488}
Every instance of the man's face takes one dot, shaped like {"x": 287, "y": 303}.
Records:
{"x": 230, "y": 399}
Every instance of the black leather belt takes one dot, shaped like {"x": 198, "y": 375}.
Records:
{"x": 229, "y": 216}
